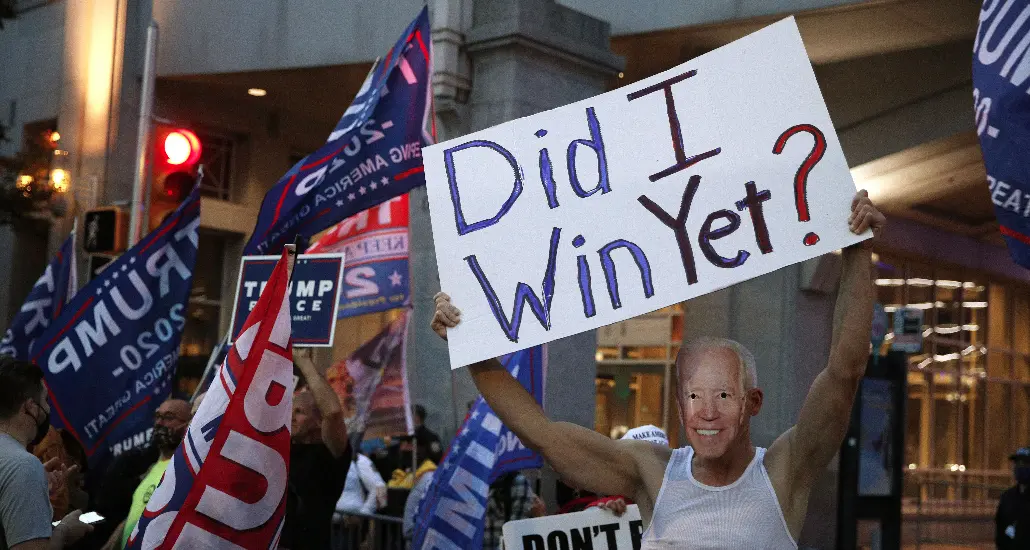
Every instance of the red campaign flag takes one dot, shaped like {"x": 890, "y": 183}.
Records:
{"x": 225, "y": 487}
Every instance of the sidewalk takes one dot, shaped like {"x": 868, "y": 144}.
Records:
{"x": 929, "y": 546}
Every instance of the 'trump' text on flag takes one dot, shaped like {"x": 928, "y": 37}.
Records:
{"x": 109, "y": 358}
{"x": 451, "y": 515}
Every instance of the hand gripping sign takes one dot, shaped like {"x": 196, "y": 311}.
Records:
{"x": 711, "y": 173}
{"x": 226, "y": 484}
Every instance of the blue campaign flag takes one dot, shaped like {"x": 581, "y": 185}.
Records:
{"x": 529, "y": 367}
{"x": 108, "y": 359}
{"x": 45, "y": 302}
{"x": 1001, "y": 99}
{"x": 373, "y": 154}
{"x": 375, "y": 242}
{"x": 451, "y": 515}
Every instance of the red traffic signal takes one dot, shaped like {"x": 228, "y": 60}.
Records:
{"x": 175, "y": 155}
{"x": 181, "y": 146}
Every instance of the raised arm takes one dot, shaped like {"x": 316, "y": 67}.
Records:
{"x": 575, "y": 452}
{"x": 334, "y": 429}
{"x": 824, "y": 418}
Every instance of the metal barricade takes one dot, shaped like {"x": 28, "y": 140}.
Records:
{"x": 368, "y": 532}
{"x": 942, "y": 508}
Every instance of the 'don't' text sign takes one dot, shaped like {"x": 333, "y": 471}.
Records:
{"x": 593, "y": 528}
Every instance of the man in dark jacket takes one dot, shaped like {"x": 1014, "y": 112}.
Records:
{"x": 1012, "y": 522}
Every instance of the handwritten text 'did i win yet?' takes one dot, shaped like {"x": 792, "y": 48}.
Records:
{"x": 711, "y": 173}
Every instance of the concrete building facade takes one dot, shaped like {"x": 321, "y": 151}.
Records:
{"x": 894, "y": 73}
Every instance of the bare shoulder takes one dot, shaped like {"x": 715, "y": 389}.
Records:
{"x": 646, "y": 454}
{"x": 778, "y": 462}
{"x": 651, "y": 461}
{"x": 791, "y": 481}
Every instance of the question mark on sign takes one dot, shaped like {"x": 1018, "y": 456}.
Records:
{"x": 801, "y": 178}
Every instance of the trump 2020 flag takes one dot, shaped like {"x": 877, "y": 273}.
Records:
{"x": 45, "y": 302}
{"x": 529, "y": 367}
{"x": 375, "y": 243}
{"x": 1001, "y": 84}
{"x": 108, "y": 359}
{"x": 451, "y": 515}
{"x": 373, "y": 154}
{"x": 226, "y": 484}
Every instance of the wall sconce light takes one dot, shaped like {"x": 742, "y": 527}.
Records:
{"x": 59, "y": 179}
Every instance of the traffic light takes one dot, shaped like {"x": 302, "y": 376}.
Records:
{"x": 175, "y": 157}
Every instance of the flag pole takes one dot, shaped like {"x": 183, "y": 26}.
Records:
{"x": 211, "y": 360}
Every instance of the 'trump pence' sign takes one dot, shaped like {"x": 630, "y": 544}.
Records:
{"x": 714, "y": 172}
{"x": 592, "y": 528}
{"x": 313, "y": 290}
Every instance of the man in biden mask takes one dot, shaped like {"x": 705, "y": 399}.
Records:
{"x": 1012, "y": 522}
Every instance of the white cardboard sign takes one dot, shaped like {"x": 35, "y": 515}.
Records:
{"x": 591, "y": 528}
{"x": 714, "y": 172}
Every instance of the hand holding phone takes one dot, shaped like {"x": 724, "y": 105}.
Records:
{"x": 89, "y": 518}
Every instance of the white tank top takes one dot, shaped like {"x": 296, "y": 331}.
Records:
{"x": 742, "y": 515}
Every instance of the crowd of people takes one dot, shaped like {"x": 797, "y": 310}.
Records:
{"x": 44, "y": 477}
{"x": 334, "y": 479}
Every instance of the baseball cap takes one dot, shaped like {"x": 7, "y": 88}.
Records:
{"x": 1022, "y": 453}
{"x": 653, "y": 434}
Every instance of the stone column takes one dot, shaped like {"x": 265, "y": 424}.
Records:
{"x": 525, "y": 56}
{"x": 103, "y": 62}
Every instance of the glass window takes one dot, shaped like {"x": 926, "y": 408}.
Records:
{"x": 635, "y": 371}
{"x": 969, "y": 387}
{"x": 218, "y": 155}
{"x": 203, "y": 314}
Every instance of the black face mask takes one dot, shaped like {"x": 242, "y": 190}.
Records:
{"x": 41, "y": 427}
{"x": 167, "y": 439}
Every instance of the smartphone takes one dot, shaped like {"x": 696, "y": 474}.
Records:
{"x": 88, "y": 518}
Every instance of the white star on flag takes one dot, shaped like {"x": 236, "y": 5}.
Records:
{"x": 361, "y": 189}
{"x": 385, "y": 181}
{"x": 339, "y": 203}
{"x": 395, "y": 278}
{"x": 350, "y": 197}
{"x": 475, "y": 414}
{"x": 372, "y": 185}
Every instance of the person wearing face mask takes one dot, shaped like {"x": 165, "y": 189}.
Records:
{"x": 25, "y": 512}
{"x": 170, "y": 423}
{"x": 1012, "y": 522}
{"x": 756, "y": 494}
